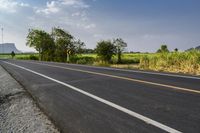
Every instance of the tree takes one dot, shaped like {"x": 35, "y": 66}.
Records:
{"x": 78, "y": 47}
{"x": 176, "y": 49}
{"x": 42, "y": 42}
{"x": 58, "y": 45}
{"x": 120, "y": 46}
{"x": 88, "y": 51}
{"x": 13, "y": 54}
{"x": 64, "y": 42}
{"x": 105, "y": 50}
{"x": 163, "y": 49}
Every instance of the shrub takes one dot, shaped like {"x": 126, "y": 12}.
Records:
{"x": 105, "y": 50}
{"x": 82, "y": 59}
{"x": 33, "y": 57}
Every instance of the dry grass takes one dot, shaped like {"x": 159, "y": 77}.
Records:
{"x": 178, "y": 62}
{"x": 125, "y": 66}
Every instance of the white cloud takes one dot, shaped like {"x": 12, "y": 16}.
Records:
{"x": 82, "y": 15}
{"x": 11, "y": 5}
{"x": 97, "y": 36}
{"x": 71, "y": 13}
{"x": 90, "y": 26}
{"x": 24, "y": 4}
{"x": 76, "y": 14}
{"x": 51, "y": 7}
{"x": 74, "y": 3}
{"x": 56, "y": 6}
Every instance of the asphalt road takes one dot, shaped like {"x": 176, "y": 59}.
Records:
{"x": 104, "y": 100}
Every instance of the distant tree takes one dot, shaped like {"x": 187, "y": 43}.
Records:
{"x": 13, "y": 54}
{"x": 78, "y": 47}
{"x": 120, "y": 47}
{"x": 159, "y": 51}
{"x": 42, "y": 42}
{"x": 163, "y": 49}
{"x": 105, "y": 50}
{"x": 88, "y": 51}
{"x": 176, "y": 49}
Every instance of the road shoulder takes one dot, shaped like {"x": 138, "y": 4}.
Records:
{"x": 18, "y": 111}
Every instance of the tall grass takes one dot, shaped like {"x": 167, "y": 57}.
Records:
{"x": 184, "y": 62}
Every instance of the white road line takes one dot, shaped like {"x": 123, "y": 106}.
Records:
{"x": 111, "y": 104}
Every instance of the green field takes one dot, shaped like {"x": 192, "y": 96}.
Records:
{"x": 18, "y": 56}
{"x": 178, "y": 62}
{"x": 5, "y": 56}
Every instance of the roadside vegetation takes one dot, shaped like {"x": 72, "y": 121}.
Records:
{"x": 61, "y": 46}
{"x": 180, "y": 62}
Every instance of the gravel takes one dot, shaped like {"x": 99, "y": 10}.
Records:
{"x": 18, "y": 111}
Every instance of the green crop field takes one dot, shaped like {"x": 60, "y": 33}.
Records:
{"x": 5, "y": 56}
{"x": 25, "y": 56}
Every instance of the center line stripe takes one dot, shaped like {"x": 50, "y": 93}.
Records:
{"x": 124, "y": 78}
{"x": 111, "y": 104}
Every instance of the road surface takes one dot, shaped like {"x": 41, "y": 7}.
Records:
{"x": 91, "y": 99}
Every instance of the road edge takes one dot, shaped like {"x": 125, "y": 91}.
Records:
{"x": 35, "y": 100}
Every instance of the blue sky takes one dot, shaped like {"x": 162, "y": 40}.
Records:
{"x": 143, "y": 24}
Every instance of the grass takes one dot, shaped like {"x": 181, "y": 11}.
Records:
{"x": 5, "y": 56}
{"x": 25, "y": 56}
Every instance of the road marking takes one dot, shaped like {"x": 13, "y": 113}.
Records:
{"x": 135, "y": 71}
{"x": 124, "y": 78}
{"x": 111, "y": 104}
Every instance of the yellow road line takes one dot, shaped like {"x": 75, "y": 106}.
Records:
{"x": 124, "y": 78}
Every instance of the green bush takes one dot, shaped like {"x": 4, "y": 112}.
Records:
{"x": 33, "y": 57}
{"x": 130, "y": 61}
{"x": 82, "y": 59}
{"x": 22, "y": 57}
{"x": 27, "y": 57}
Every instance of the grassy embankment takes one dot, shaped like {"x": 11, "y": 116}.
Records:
{"x": 178, "y": 62}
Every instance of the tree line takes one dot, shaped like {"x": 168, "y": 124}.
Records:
{"x": 60, "y": 45}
